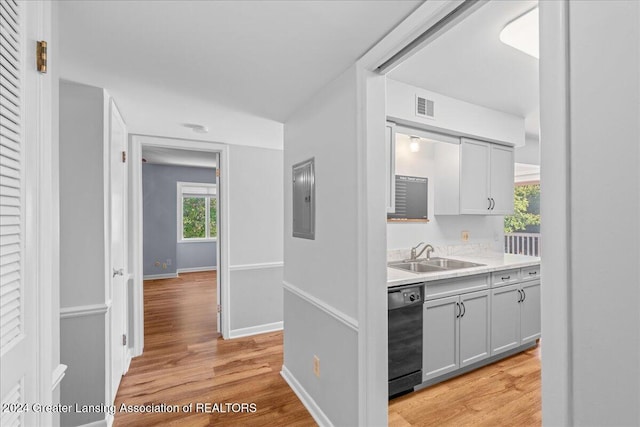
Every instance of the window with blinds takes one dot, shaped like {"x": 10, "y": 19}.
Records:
{"x": 11, "y": 171}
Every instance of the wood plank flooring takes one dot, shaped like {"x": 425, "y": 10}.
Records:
{"x": 506, "y": 393}
{"x": 185, "y": 361}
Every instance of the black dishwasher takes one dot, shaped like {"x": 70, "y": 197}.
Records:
{"x": 405, "y": 338}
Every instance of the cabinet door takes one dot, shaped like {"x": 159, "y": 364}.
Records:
{"x": 440, "y": 339}
{"x": 474, "y": 327}
{"x": 474, "y": 177}
{"x": 505, "y": 318}
{"x": 390, "y": 169}
{"x": 501, "y": 187}
{"x": 530, "y": 312}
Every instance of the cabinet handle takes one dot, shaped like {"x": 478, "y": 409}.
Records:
{"x": 492, "y": 203}
{"x": 520, "y": 296}
{"x": 463, "y": 308}
{"x": 524, "y": 295}
{"x": 459, "y": 310}
{"x": 506, "y": 278}
{"x": 489, "y": 199}
{"x": 533, "y": 273}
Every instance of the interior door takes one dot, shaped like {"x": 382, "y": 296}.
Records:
{"x": 18, "y": 317}
{"x": 117, "y": 148}
{"x": 218, "y": 246}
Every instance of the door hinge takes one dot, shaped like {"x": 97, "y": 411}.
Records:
{"x": 218, "y": 308}
{"x": 41, "y": 56}
{"x": 124, "y": 156}
{"x": 218, "y": 172}
{"x": 124, "y": 339}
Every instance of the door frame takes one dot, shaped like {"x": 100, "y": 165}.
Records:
{"x": 136, "y": 142}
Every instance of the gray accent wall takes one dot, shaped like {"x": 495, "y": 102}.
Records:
{"x": 160, "y": 218}
{"x": 262, "y": 288}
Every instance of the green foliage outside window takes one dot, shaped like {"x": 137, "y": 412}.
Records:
{"x": 526, "y": 209}
{"x": 213, "y": 217}
{"x": 194, "y": 218}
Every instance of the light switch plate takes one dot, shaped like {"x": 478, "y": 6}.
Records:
{"x": 464, "y": 236}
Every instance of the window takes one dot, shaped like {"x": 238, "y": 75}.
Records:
{"x": 197, "y": 212}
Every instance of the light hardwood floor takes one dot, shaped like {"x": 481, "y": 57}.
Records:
{"x": 185, "y": 361}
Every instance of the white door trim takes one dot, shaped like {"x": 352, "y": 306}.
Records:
{"x": 136, "y": 237}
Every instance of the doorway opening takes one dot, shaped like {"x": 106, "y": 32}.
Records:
{"x": 179, "y": 196}
{"x": 469, "y": 82}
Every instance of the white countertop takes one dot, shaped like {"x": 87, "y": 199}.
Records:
{"x": 492, "y": 262}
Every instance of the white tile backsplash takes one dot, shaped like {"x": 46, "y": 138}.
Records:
{"x": 478, "y": 249}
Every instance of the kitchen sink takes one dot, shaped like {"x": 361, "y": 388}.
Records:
{"x": 416, "y": 267}
{"x": 431, "y": 265}
{"x": 450, "y": 264}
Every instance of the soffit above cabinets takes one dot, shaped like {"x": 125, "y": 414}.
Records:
{"x": 470, "y": 63}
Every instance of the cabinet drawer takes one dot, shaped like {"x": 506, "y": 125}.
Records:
{"x": 449, "y": 287}
{"x": 531, "y": 273}
{"x": 505, "y": 277}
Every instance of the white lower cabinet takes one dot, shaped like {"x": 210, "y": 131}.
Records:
{"x": 455, "y": 333}
{"x": 515, "y": 315}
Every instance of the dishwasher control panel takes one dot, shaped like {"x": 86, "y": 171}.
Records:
{"x": 404, "y": 296}
{"x": 411, "y": 295}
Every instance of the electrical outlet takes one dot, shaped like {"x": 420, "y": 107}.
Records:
{"x": 316, "y": 365}
{"x": 168, "y": 261}
{"x": 465, "y": 236}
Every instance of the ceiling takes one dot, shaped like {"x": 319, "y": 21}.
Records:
{"x": 469, "y": 62}
{"x": 178, "y": 157}
{"x": 212, "y": 62}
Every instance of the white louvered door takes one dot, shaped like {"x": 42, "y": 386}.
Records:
{"x": 17, "y": 340}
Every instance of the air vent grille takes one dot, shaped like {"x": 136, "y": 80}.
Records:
{"x": 425, "y": 107}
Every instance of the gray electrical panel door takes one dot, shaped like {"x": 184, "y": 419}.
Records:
{"x": 304, "y": 203}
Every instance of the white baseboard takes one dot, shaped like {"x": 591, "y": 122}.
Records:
{"x": 255, "y": 330}
{"x": 196, "y": 269}
{"x": 318, "y": 415}
{"x": 160, "y": 276}
{"x": 127, "y": 360}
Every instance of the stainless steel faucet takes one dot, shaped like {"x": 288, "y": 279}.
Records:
{"x": 427, "y": 248}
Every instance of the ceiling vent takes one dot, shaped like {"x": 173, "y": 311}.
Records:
{"x": 425, "y": 107}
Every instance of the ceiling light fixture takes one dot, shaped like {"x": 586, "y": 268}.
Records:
{"x": 415, "y": 144}
{"x": 522, "y": 33}
{"x": 196, "y": 127}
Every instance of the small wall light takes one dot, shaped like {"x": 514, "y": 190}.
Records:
{"x": 415, "y": 144}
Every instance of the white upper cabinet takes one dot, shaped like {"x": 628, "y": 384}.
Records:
{"x": 474, "y": 178}
{"x": 501, "y": 174}
{"x": 475, "y": 167}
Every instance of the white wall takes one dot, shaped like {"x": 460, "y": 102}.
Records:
{"x": 530, "y": 152}
{"x": 82, "y": 249}
{"x": 256, "y": 227}
{"x": 590, "y": 212}
{"x": 453, "y": 115}
{"x": 321, "y": 275}
{"x": 441, "y": 230}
